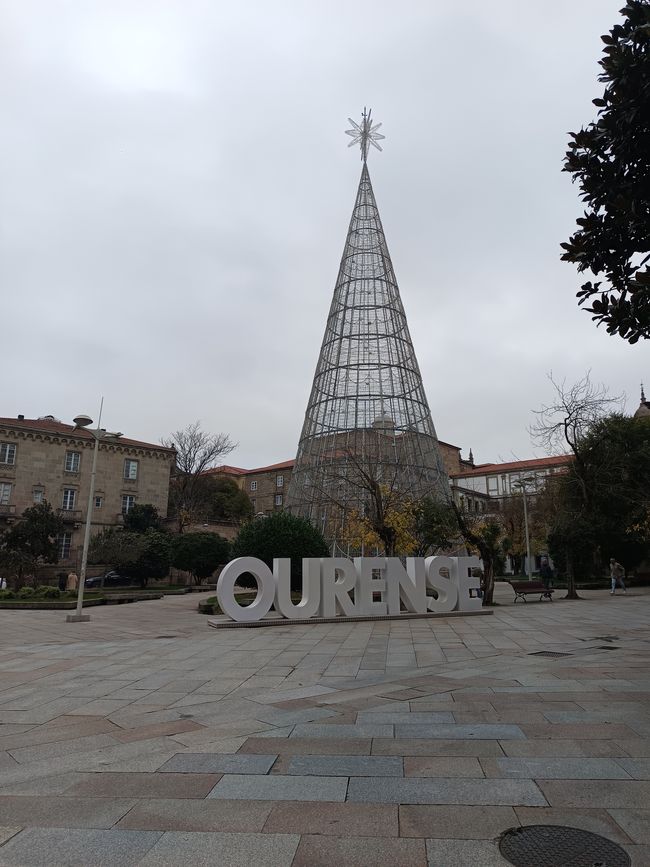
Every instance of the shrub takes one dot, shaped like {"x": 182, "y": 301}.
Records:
{"x": 46, "y": 592}
{"x": 25, "y": 593}
{"x": 6, "y": 595}
{"x": 200, "y": 553}
{"x": 279, "y": 535}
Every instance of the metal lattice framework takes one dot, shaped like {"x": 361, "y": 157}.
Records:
{"x": 367, "y": 422}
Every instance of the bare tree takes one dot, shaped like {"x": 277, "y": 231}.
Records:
{"x": 196, "y": 452}
{"x": 564, "y": 425}
{"x": 568, "y": 419}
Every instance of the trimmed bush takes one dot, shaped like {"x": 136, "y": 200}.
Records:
{"x": 43, "y": 591}
{"x": 279, "y": 535}
{"x": 200, "y": 553}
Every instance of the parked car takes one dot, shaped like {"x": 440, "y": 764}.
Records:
{"x": 111, "y": 579}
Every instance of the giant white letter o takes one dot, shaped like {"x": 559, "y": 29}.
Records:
{"x": 265, "y": 589}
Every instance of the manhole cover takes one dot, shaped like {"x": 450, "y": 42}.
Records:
{"x": 552, "y": 653}
{"x": 557, "y": 846}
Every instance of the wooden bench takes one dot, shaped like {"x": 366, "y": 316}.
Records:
{"x": 524, "y": 588}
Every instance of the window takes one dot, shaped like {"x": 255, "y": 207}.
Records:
{"x": 5, "y": 493}
{"x": 72, "y": 462}
{"x": 98, "y": 502}
{"x": 69, "y": 498}
{"x": 253, "y": 503}
{"x": 7, "y": 453}
{"x": 130, "y": 469}
{"x": 279, "y": 481}
{"x": 128, "y": 502}
{"x": 65, "y": 540}
{"x": 278, "y": 499}
{"x": 253, "y": 486}
{"x": 38, "y": 496}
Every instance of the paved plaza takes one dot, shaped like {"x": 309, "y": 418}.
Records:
{"x": 146, "y": 737}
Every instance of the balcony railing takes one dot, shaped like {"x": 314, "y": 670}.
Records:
{"x": 6, "y": 509}
{"x": 70, "y": 516}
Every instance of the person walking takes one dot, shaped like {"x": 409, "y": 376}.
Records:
{"x": 546, "y": 574}
{"x": 72, "y": 582}
{"x": 616, "y": 574}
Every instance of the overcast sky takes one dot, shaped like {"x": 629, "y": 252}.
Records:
{"x": 176, "y": 188}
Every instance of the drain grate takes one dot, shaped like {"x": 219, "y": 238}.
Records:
{"x": 559, "y": 846}
{"x": 551, "y": 653}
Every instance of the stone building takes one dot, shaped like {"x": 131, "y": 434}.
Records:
{"x": 267, "y": 486}
{"x": 45, "y": 460}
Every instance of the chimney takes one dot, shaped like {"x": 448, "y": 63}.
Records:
{"x": 21, "y": 417}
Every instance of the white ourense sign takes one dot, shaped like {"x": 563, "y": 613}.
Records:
{"x": 363, "y": 587}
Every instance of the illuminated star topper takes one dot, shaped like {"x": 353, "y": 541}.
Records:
{"x": 365, "y": 133}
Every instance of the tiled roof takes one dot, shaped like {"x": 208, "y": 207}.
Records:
{"x": 515, "y": 466}
{"x": 47, "y": 425}
{"x": 225, "y": 470}
{"x": 283, "y": 465}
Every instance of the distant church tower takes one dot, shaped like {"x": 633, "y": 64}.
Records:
{"x": 644, "y": 407}
{"x": 367, "y": 421}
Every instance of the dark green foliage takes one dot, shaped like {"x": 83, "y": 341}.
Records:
{"x": 44, "y": 591}
{"x": 200, "y": 553}
{"x": 155, "y": 558}
{"x": 227, "y": 502}
{"x": 139, "y": 555}
{"x": 31, "y": 542}
{"x": 610, "y": 159}
{"x": 435, "y": 526}
{"x": 603, "y": 501}
{"x": 280, "y": 535}
{"x": 142, "y": 517}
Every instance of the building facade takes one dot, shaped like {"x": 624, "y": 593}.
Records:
{"x": 44, "y": 460}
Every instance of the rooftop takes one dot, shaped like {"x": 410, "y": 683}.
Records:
{"x": 516, "y": 466}
{"x": 54, "y": 426}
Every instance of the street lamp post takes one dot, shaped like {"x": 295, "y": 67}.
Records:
{"x": 82, "y": 421}
{"x": 523, "y": 484}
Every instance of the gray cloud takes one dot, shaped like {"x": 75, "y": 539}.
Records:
{"x": 176, "y": 191}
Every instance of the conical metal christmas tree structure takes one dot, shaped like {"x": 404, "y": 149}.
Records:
{"x": 368, "y": 444}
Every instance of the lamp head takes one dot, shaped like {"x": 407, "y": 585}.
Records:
{"x": 82, "y": 420}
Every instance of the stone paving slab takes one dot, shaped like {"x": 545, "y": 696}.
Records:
{"x": 346, "y": 766}
{"x": 7, "y": 833}
{"x": 280, "y": 787}
{"x": 219, "y": 763}
{"x": 436, "y": 747}
{"x": 325, "y": 851}
{"x": 563, "y": 769}
{"x": 46, "y": 847}
{"x": 63, "y": 812}
{"x": 388, "y": 790}
{"x": 200, "y": 849}
{"x": 638, "y": 769}
{"x": 307, "y": 746}
{"x": 414, "y": 717}
{"x": 178, "y": 814}
{"x": 635, "y": 823}
{"x": 442, "y": 766}
{"x": 590, "y": 793}
{"x": 458, "y": 821}
{"x": 461, "y": 732}
{"x": 570, "y": 748}
{"x": 367, "y": 730}
{"x": 461, "y": 853}
{"x": 360, "y": 820}
{"x": 137, "y": 785}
